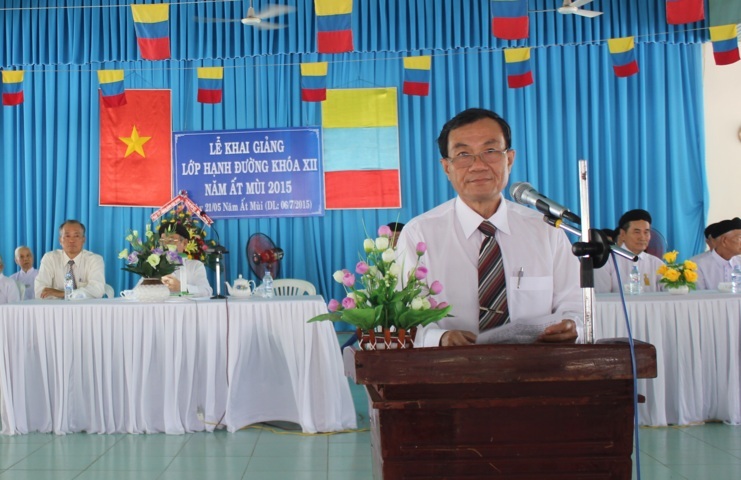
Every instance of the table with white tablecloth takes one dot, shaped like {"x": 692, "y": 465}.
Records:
{"x": 698, "y": 353}
{"x": 183, "y": 365}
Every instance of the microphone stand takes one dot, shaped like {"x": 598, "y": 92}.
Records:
{"x": 596, "y": 247}
{"x": 586, "y": 262}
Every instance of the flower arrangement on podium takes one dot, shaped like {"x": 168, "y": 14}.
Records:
{"x": 147, "y": 257}
{"x": 198, "y": 246}
{"x": 151, "y": 261}
{"x": 386, "y": 302}
{"x": 677, "y": 277}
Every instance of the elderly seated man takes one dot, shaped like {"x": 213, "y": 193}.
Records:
{"x": 715, "y": 266}
{"x": 634, "y": 231}
{"x": 27, "y": 274}
{"x": 87, "y": 268}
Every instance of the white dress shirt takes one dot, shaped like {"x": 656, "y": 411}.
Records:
{"x": 197, "y": 281}
{"x": 550, "y": 280}
{"x": 606, "y": 280}
{"x": 27, "y": 279}
{"x": 713, "y": 269}
{"x": 9, "y": 291}
{"x": 89, "y": 273}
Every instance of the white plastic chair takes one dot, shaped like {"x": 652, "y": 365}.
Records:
{"x": 109, "y": 292}
{"x": 283, "y": 287}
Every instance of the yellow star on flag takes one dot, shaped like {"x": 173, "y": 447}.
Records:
{"x": 134, "y": 143}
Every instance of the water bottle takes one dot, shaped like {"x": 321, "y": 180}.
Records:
{"x": 736, "y": 279}
{"x": 634, "y": 287}
{"x": 267, "y": 282}
{"x": 69, "y": 283}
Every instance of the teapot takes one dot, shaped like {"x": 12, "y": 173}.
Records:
{"x": 241, "y": 288}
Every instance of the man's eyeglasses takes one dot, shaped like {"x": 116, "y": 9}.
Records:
{"x": 167, "y": 241}
{"x": 490, "y": 156}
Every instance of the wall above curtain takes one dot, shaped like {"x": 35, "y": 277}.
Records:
{"x": 642, "y": 135}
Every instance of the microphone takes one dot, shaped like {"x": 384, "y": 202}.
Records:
{"x": 524, "y": 194}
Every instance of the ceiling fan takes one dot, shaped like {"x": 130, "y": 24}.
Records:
{"x": 574, "y": 8}
{"x": 258, "y": 19}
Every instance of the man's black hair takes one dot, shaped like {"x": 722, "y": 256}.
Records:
{"x": 467, "y": 117}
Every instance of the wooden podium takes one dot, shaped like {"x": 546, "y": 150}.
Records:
{"x": 525, "y": 412}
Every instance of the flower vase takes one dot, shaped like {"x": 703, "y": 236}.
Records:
{"x": 680, "y": 290}
{"x": 389, "y": 340}
{"x": 151, "y": 290}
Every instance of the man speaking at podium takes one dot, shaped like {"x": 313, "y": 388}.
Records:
{"x": 499, "y": 262}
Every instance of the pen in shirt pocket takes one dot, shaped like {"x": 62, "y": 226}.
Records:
{"x": 520, "y": 274}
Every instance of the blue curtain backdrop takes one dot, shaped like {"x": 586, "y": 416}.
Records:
{"x": 642, "y": 135}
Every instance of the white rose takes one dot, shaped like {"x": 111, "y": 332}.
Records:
{"x": 382, "y": 243}
{"x": 388, "y": 255}
{"x": 417, "y": 303}
{"x": 124, "y": 253}
{"x": 352, "y": 295}
{"x": 338, "y": 275}
{"x": 373, "y": 271}
{"x": 368, "y": 245}
{"x": 395, "y": 269}
{"x": 425, "y": 304}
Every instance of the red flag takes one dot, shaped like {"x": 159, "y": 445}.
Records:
{"x": 136, "y": 150}
{"x": 684, "y": 11}
{"x": 362, "y": 189}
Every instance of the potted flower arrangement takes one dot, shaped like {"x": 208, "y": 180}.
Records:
{"x": 678, "y": 277}
{"x": 151, "y": 261}
{"x": 387, "y": 301}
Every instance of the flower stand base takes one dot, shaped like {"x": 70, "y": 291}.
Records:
{"x": 386, "y": 340}
{"x": 151, "y": 290}
{"x": 680, "y": 290}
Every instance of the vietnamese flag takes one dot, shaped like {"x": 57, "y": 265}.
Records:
{"x": 136, "y": 150}
{"x": 684, "y": 11}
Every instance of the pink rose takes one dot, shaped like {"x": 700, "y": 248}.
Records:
{"x": 361, "y": 268}
{"x": 436, "y": 287}
{"x": 384, "y": 231}
{"x": 348, "y": 279}
{"x": 420, "y": 273}
{"x": 333, "y": 305}
{"x": 433, "y": 302}
{"x": 421, "y": 248}
{"x": 348, "y": 303}
{"x": 442, "y": 305}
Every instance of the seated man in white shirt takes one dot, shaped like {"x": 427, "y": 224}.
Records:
{"x": 715, "y": 266}
{"x": 9, "y": 292}
{"x": 709, "y": 241}
{"x": 477, "y": 159}
{"x": 88, "y": 268}
{"x": 27, "y": 274}
{"x": 635, "y": 232}
{"x": 195, "y": 272}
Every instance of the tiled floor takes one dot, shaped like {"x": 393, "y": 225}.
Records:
{"x": 711, "y": 451}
